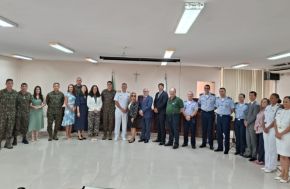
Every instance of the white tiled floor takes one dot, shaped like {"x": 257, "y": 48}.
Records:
{"x": 71, "y": 164}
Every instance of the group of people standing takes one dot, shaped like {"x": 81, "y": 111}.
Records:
{"x": 262, "y": 130}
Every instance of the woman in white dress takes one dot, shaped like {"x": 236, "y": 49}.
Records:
{"x": 282, "y": 130}
{"x": 269, "y": 134}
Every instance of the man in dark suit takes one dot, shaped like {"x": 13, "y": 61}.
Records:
{"x": 160, "y": 102}
{"x": 146, "y": 113}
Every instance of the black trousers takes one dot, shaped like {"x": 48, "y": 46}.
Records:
{"x": 161, "y": 127}
{"x": 261, "y": 150}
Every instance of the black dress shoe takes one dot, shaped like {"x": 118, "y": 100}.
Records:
{"x": 49, "y": 139}
{"x": 175, "y": 146}
{"x": 156, "y": 140}
{"x": 141, "y": 140}
{"x": 211, "y": 147}
{"x": 202, "y": 146}
{"x": 246, "y": 156}
{"x": 132, "y": 140}
{"x": 55, "y": 138}
{"x": 218, "y": 150}
{"x": 226, "y": 152}
{"x": 193, "y": 146}
{"x": 168, "y": 144}
{"x": 184, "y": 145}
{"x": 252, "y": 159}
{"x": 237, "y": 153}
{"x": 146, "y": 141}
{"x": 161, "y": 143}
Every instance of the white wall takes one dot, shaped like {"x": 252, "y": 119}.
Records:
{"x": 283, "y": 85}
{"x": 9, "y": 68}
{"x": 44, "y": 73}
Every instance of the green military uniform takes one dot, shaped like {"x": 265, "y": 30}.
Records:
{"x": 22, "y": 116}
{"x": 108, "y": 112}
{"x": 54, "y": 101}
{"x": 7, "y": 115}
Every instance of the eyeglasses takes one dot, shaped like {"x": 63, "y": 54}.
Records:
{"x": 133, "y": 95}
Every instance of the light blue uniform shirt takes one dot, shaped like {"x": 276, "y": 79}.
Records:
{"x": 224, "y": 105}
{"x": 207, "y": 102}
{"x": 241, "y": 110}
{"x": 190, "y": 107}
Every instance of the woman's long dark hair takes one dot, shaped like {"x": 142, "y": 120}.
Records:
{"x": 86, "y": 93}
{"x": 74, "y": 89}
{"x": 40, "y": 93}
{"x": 92, "y": 91}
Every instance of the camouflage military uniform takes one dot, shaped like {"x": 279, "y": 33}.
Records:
{"x": 22, "y": 116}
{"x": 108, "y": 111}
{"x": 54, "y": 101}
{"x": 7, "y": 115}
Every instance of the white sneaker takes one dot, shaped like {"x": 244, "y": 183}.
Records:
{"x": 263, "y": 168}
{"x": 277, "y": 178}
{"x": 116, "y": 139}
{"x": 124, "y": 139}
{"x": 284, "y": 181}
{"x": 269, "y": 171}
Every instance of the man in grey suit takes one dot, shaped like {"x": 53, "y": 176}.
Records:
{"x": 253, "y": 110}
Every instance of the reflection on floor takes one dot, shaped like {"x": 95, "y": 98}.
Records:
{"x": 107, "y": 164}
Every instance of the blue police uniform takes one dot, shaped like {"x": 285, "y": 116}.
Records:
{"x": 224, "y": 109}
{"x": 240, "y": 129}
{"x": 207, "y": 106}
{"x": 189, "y": 108}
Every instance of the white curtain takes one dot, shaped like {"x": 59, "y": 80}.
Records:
{"x": 238, "y": 81}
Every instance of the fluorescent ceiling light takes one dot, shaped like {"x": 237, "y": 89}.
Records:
{"x": 21, "y": 57}
{"x": 62, "y": 48}
{"x": 91, "y": 60}
{"x": 7, "y": 23}
{"x": 240, "y": 66}
{"x": 167, "y": 54}
{"x": 190, "y": 14}
{"x": 279, "y": 56}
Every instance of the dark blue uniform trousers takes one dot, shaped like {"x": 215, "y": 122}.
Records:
{"x": 207, "y": 123}
{"x": 223, "y": 131}
{"x": 189, "y": 126}
{"x": 240, "y": 132}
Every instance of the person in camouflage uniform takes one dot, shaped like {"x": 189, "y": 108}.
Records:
{"x": 8, "y": 98}
{"x": 108, "y": 110}
{"x": 23, "y": 102}
{"x": 54, "y": 101}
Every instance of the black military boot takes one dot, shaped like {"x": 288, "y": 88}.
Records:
{"x": 14, "y": 143}
{"x": 24, "y": 140}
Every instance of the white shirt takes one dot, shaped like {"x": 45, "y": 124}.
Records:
{"x": 123, "y": 99}
{"x": 282, "y": 119}
{"x": 94, "y": 105}
{"x": 270, "y": 113}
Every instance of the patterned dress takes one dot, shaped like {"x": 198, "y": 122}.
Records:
{"x": 69, "y": 114}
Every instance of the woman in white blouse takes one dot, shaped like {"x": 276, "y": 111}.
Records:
{"x": 94, "y": 103}
{"x": 269, "y": 134}
{"x": 282, "y": 130}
